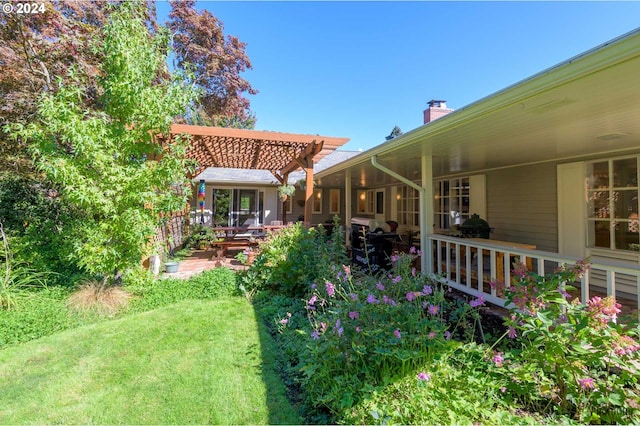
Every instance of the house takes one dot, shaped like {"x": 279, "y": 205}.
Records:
{"x": 550, "y": 163}
{"x": 234, "y": 196}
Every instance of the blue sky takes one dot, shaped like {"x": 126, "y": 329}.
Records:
{"x": 357, "y": 69}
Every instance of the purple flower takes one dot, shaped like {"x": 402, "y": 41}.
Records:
{"x": 353, "y": 296}
{"x": 312, "y": 300}
{"x": 414, "y": 272}
{"x": 411, "y": 296}
{"x": 358, "y": 329}
{"x": 380, "y": 286}
{"x": 396, "y": 333}
{"x": 424, "y": 376}
{"x": 447, "y": 335}
{"x": 340, "y": 331}
{"x": 394, "y": 258}
{"x": 586, "y": 383}
{"x": 477, "y": 302}
{"x": 397, "y": 279}
{"x": 427, "y": 290}
{"x": 433, "y": 309}
{"x": 331, "y": 289}
{"x": 354, "y": 315}
{"x": 511, "y": 333}
{"x": 315, "y": 335}
{"x": 372, "y": 299}
{"x": 314, "y": 286}
{"x": 388, "y": 301}
{"x": 412, "y": 250}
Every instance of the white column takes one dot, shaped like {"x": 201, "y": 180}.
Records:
{"x": 347, "y": 205}
{"x": 426, "y": 213}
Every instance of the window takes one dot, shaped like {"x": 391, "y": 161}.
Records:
{"x": 287, "y": 205}
{"x": 317, "y": 201}
{"x": 612, "y": 209}
{"x": 408, "y": 203}
{"x": 366, "y": 201}
{"x": 334, "y": 201}
{"x": 451, "y": 203}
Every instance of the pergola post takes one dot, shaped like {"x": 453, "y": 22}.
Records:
{"x": 308, "y": 196}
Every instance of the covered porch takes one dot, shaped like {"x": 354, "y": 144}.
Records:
{"x": 551, "y": 163}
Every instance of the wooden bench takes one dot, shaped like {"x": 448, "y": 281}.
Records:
{"x": 220, "y": 248}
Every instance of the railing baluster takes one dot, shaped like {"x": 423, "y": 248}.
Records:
{"x": 467, "y": 266}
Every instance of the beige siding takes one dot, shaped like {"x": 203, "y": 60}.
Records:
{"x": 522, "y": 205}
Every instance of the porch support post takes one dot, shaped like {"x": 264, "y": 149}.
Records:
{"x": 347, "y": 205}
{"x": 426, "y": 213}
{"x": 308, "y": 198}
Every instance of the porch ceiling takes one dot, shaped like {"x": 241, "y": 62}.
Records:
{"x": 280, "y": 153}
{"x": 586, "y": 107}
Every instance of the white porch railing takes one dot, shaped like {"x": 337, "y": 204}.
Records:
{"x": 470, "y": 266}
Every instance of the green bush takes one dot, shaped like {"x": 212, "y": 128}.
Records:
{"x": 293, "y": 258}
{"x": 43, "y": 313}
{"x": 209, "y": 284}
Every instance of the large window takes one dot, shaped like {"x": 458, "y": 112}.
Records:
{"x": 408, "y": 203}
{"x": 366, "y": 201}
{"x": 334, "y": 201}
{"x": 612, "y": 196}
{"x": 451, "y": 204}
{"x": 317, "y": 200}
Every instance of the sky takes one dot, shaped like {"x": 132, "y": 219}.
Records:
{"x": 357, "y": 69}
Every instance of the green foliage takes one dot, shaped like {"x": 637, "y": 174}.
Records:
{"x": 293, "y": 258}
{"x": 200, "y": 236}
{"x": 569, "y": 357}
{"x": 40, "y": 225}
{"x": 209, "y": 284}
{"x": 15, "y": 278}
{"x": 43, "y": 313}
{"x": 106, "y": 161}
{"x": 369, "y": 331}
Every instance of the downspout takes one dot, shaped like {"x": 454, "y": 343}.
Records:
{"x": 424, "y": 264}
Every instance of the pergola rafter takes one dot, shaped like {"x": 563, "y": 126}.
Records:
{"x": 280, "y": 153}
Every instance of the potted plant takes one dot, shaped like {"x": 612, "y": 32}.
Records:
{"x": 285, "y": 191}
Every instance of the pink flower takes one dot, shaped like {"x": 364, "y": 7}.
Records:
{"x": 394, "y": 258}
{"x": 427, "y": 290}
{"x": 413, "y": 272}
{"x": 284, "y": 321}
{"x": 323, "y": 327}
{"x": 586, "y": 383}
{"x": 358, "y": 329}
{"x": 511, "y": 333}
{"x": 433, "y": 309}
{"x": 312, "y": 300}
{"x": 424, "y": 376}
{"x": 380, "y": 286}
{"x": 497, "y": 359}
{"x": 354, "y": 315}
{"x": 410, "y": 296}
{"x": 331, "y": 289}
{"x": 396, "y": 333}
{"x": 432, "y": 335}
{"x": 412, "y": 250}
{"x": 347, "y": 269}
{"x": 503, "y": 389}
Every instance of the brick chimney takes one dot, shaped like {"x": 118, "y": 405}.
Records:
{"x": 436, "y": 110}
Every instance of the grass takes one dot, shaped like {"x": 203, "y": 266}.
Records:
{"x": 202, "y": 362}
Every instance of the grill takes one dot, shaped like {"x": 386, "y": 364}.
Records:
{"x": 475, "y": 227}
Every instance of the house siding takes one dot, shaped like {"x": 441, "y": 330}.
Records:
{"x": 522, "y": 205}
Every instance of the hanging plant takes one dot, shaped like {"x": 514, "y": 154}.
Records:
{"x": 286, "y": 191}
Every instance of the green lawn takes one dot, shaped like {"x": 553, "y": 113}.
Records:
{"x": 193, "y": 362}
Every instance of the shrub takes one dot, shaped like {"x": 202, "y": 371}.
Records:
{"x": 292, "y": 258}
{"x": 206, "y": 285}
{"x": 367, "y": 332}
{"x": 99, "y": 296}
{"x": 570, "y": 357}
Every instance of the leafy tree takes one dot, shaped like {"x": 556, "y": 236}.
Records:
{"x": 104, "y": 157}
{"x": 199, "y": 39}
{"x": 394, "y": 133}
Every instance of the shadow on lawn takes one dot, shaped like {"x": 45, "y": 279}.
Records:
{"x": 283, "y": 402}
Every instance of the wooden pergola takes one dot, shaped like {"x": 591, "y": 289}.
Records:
{"x": 280, "y": 153}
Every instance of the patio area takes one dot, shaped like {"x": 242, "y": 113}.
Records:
{"x": 200, "y": 260}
